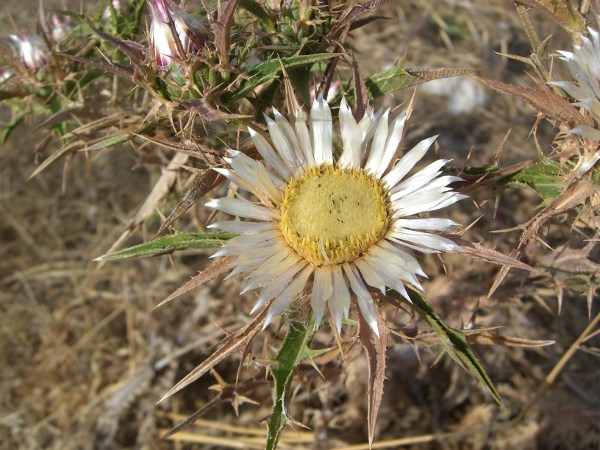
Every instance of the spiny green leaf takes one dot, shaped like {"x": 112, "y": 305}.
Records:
{"x": 454, "y": 342}
{"x": 544, "y": 177}
{"x": 294, "y": 350}
{"x": 398, "y": 77}
{"x": 169, "y": 244}
{"x": 270, "y": 69}
{"x": 9, "y": 128}
{"x": 110, "y": 141}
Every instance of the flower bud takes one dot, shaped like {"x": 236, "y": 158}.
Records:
{"x": 190, "y": 31}
{"x": 32, "y": 51}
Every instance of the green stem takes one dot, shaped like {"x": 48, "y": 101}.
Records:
{"x": 294, "y": 350}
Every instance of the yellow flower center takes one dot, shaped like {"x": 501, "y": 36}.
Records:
{"x": 331, "y": 215}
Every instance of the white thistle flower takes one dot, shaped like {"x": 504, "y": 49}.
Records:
{"x": 346, "y": 223}
{"x": 584, "y": 64}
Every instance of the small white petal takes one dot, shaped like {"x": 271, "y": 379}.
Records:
{"x": 276, "y": 286}
{"x": 268, "y": 154}
{"x": 272, "y": 268}
{"x": 370, "y": 276}
{"x": 433, "y": 187}
{"x": 255, "y": 173}
{"x": 243, "y": 208}
{"x": 304, "y": 137}
{"x": 394, "y": 261}
{"x": 368, "y": 125}
{"x": 431, "y": 224}
{"x": 318, "y": 299}
{"x": 241, "y": 244}
{"x": 393, "y": 141}
{"x": 288, "y": 295}
{"x": 321, "y": 131}
{"x": 339, "y": 303}
{"x": 378, "y": 144}
{"x": 241, "y": 226}
{"x": 282, "y": 144}
{"x": 351, "y": 138}
{"x": 428, "y": 240}
{"x": 407, "y": 162}
{"x": 419, "y": 202}
{"x": 249, "y": 261}
{"x": 290, "y": 134}
{"x": 363, "y": 297}
{"x": 422, "y": 177}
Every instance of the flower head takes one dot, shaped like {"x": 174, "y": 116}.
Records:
{"x": 584, "y": 64}
{"x": 32, "y": 51}
{"x": 191, "y": 33}
{"x": 345, "y": 222}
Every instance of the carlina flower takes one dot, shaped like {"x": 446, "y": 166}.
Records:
{"x": 192, "y": 33}
{"x": 32, "y": 51}
{"x": 345, "y": 222}
{"x": 584, "y": 64}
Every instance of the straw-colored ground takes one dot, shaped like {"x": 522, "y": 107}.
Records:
{"x": 84, "y": 357}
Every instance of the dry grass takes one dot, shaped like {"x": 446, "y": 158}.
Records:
{"x": 85, "y": 357}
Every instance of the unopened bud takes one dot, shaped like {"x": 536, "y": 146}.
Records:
{"x": 191, "y": 32}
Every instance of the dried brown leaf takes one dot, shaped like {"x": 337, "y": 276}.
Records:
{"x": 238, "y": 340}
{"x": 490, "y": 255}
{"x": 361, "y": 94}
{"x": 222, "y": 30}
{"x": 64, "y": 150}
{"x": 201, "y": 184}
{"x": 576, "y": 193}
{"x": 562, "y": 12}
{"x": 486, "y": 338}
{"x": 350, "y": 15}
{"x": 572, "y": 260}
{"x": 135, "y": 51}
{"x": 208, "y": 113}
{"x": 546, "y": 101}
{"x": 64, "y": 114}
{"x": 426, "y": 75}
{"x": 216, "y": 269}
{"x": 209, "y": 155}
{"x": 472, "y": 182}
{"x": 327, "y": 77}
{"x": 375, "y": 348}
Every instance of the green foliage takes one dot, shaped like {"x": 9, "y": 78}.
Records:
{"x": 543, "y": 177}
{"x": 271, "y": 69}
{"x": 453, "y": 342}
{"x": 169, "y": 244}
{"x": 9, "y": 127}
{"x": 294, "y": 350}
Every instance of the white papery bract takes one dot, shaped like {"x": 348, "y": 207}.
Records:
{"x": 584, "y": 64}
{"x": 344, "y": 222}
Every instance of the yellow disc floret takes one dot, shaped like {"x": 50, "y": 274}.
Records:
{"x": 331, "y": 215}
